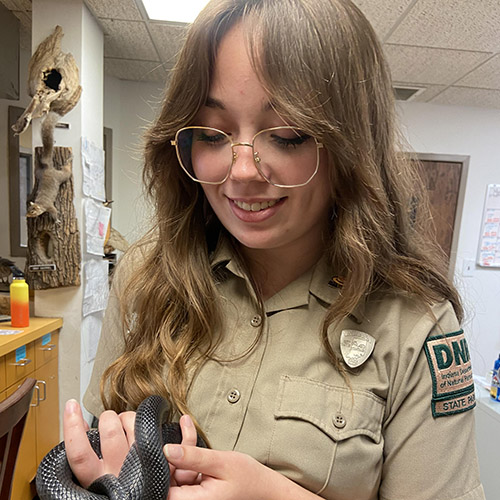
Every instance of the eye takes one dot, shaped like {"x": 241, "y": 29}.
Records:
{"x": 210, "y": 137}
{"x": 295, "y": 139}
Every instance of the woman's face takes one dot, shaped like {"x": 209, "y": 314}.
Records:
{"x": 259, "y": 215}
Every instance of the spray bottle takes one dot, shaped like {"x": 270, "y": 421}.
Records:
{"x": 19, "y": 300}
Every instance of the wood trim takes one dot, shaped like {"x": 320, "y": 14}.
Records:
{"x": 16, "y": 250}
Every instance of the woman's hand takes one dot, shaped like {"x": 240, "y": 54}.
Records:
{"x": 116, "y": 436}
{"x": 229, "y": 475}
{"x": 179, "y": 476}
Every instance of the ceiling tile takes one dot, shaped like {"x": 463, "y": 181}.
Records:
{"x": 24, "y": 5}
{"x": 486, "y": 76}
{"x": 428, "y": 65}
{"x": 116, "y": 9}
{"x": 428, "y": 92}
{"x": 168, "y": 40}
{"x": 463, "y": 96}
{"x": 127, "y": 40}
{"x": 10, "y": 4}
{"x": 459, "y": 24}
{"x": 141, "y": 71}
{"x": 382, "y": 14}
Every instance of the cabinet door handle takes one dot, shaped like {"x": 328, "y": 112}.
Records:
{"x": 44, "y": 385}
{"x": 22, "y": 362}
{"x": 37, "y": 390}
{"x": 49, "y": 347}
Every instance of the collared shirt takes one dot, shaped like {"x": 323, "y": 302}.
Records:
{"x": 278, "y": 397}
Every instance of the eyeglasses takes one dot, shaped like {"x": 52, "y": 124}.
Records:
{"x": 285, "y": 156}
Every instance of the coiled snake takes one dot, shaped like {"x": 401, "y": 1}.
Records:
{"x": 145, "y": 474}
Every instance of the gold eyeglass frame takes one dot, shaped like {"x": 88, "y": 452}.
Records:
{"x": 255, "y": 155}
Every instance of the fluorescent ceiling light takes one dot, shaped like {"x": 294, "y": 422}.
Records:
{"x": 181, "y": 11}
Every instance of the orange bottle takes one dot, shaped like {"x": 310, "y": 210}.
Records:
{"x": 19, "y": 303}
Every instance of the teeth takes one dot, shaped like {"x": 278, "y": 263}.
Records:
{"x": 255, "y": 207}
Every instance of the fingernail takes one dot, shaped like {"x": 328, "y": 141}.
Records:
{"x": 188, "y": 421}
{"x": 173, "y": 451}
{"x": 71, "y": 406}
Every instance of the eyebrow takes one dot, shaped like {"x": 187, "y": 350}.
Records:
{"x": 212, "y": 102}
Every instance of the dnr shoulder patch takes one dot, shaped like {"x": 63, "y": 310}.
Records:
{"x": 451, "y": 372}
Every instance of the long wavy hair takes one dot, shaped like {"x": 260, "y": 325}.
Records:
{"x": 323, "y": 68}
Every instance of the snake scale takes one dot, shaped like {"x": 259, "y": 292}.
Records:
{"x": 145, "y": 474}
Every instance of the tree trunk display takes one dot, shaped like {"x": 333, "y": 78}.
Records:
{"x": 54, "y": 255}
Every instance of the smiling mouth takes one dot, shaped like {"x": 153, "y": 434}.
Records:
{"x": 257, "y": 206}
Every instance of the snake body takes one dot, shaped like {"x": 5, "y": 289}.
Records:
{"x": 145, "y": 473}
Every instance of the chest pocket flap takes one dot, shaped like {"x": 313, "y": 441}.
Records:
{"x": 337, "y": 411}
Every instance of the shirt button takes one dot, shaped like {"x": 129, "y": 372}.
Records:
{"x": 256, "y": 320}
{"x": 233, "y": 396}
{"x": 339, "y": 421}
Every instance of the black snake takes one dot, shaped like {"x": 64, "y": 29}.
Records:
{"x": 145, "y": 474}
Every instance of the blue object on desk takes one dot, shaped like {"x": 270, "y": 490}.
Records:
{"x": 20, "y": 353}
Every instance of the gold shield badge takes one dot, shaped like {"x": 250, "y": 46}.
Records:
{"x": 356, "y": 347}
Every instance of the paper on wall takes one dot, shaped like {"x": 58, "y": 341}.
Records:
{"x": 96, "y": 292}
{"x": 96, "y": 225}
{"x": 489, "y": 243}
{"x": 93, "y": 170}
{"x": 91, "y": 332}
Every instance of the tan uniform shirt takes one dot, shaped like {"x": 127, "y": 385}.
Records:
{"x": 284, "y": 404}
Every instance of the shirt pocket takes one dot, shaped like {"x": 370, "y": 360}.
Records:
{"x": 325, "y": 435}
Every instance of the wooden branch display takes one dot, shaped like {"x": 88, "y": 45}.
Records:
{"x": 54, "y": 254}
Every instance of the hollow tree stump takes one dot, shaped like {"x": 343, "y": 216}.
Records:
{"x": 54, "y": 244}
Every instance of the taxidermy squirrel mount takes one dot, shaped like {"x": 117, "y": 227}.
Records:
{"x": 49, "y": 177}
{"x": 53, "y": 256}
{"x": 55, "y": 90}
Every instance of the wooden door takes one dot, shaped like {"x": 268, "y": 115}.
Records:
{"x": 442, "y": 179}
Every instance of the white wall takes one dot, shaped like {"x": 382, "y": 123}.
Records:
{"x": 92, "y": 81}
{"x": 129, "y": 108}
{"x": 474, "y": 132}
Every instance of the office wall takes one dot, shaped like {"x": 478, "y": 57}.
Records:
{"x": 129, "y": 108}
{"x": 474, "y": 132}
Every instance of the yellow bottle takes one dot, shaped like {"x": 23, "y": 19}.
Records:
{"x": 19, "y": 303}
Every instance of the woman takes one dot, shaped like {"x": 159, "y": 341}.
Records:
{"x": 288, "y": 301}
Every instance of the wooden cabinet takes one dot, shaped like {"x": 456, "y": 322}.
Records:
{"x": 47, "y": 411}
{"x": 33, "y": 353}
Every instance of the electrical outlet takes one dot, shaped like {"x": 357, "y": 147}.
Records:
{"x": 468, "y": 268}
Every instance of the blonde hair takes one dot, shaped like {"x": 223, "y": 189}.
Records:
{"x": 323, "y": 68}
